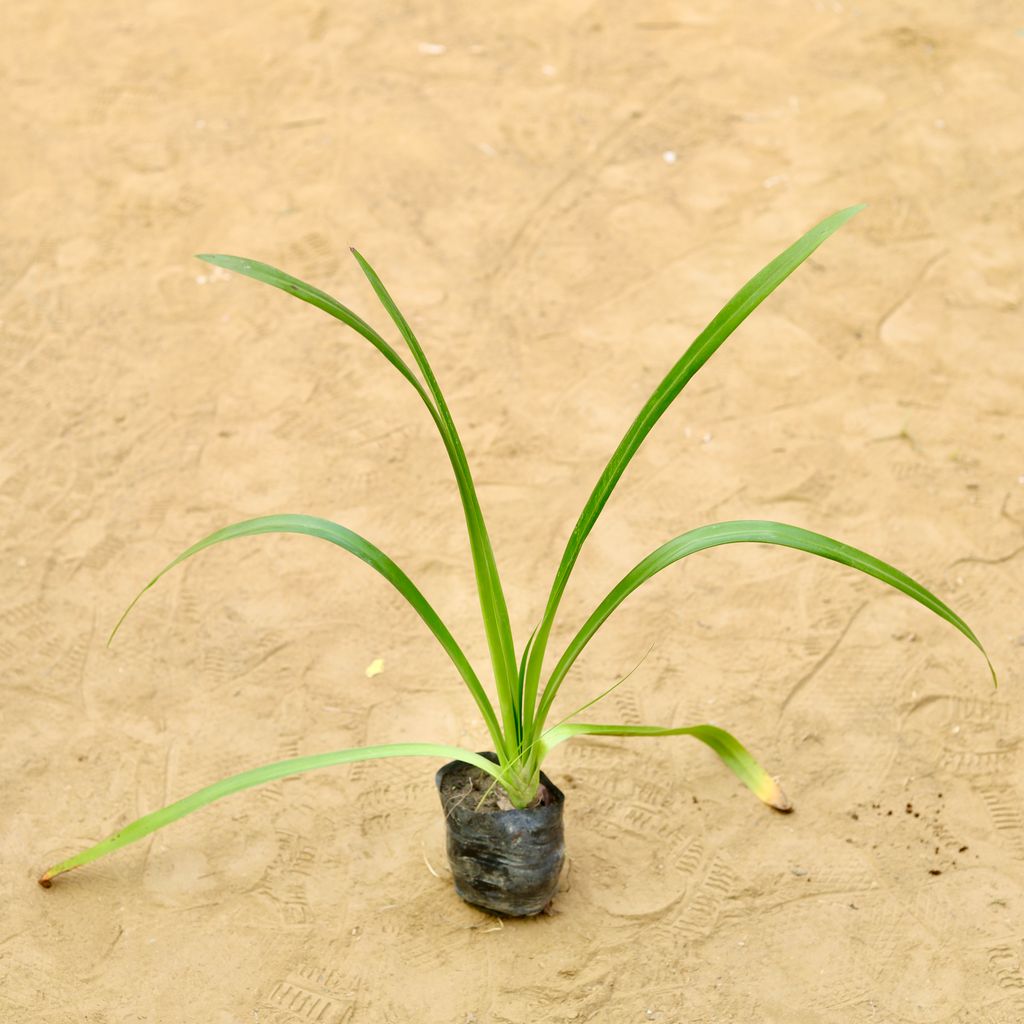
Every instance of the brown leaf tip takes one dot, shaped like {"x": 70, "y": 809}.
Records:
{"x": 781, "y": 802}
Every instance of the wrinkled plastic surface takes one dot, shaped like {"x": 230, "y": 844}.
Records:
{"x": 506, "y": 862}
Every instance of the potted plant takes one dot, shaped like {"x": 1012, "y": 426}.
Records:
{"x": 504, "y": 816}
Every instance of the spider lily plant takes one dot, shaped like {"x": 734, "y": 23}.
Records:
{"x": 517, "y": 706}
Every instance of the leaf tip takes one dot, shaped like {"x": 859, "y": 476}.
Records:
{"x": 844, "y": 216}
{"x": 114, "y": 631}
{"x": 774, "y": 796}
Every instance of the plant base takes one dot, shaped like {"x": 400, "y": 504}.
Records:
{"x": 505, "y": 861}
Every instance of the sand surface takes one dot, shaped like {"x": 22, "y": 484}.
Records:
{"x": 560, "y": 196}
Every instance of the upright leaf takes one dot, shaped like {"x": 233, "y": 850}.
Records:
{"x": 732, "y": 314}
{"x": 492, "y": 598}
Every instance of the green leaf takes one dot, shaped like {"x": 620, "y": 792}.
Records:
{"x": 492, "y": 598}
{"x": 736, "y": 756}
{"x": 522, "y": 665}
{"x": 149, "y": 823}
{"x": 315, "y": 297}
{"x": 732, "y": 314}
{"x": 605, "y": 692}
{"x": 352, "y": 542}
{"x": 743, "y": 531}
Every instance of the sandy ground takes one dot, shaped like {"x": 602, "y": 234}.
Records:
{"x": 560, "y": 196}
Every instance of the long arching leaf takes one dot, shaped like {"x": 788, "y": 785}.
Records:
{"x": 743, "y": 531}
{"x": 492, "y": 598}
{"x": 352, "y": 542}
{"x": 149, "y": 823}
{"x": 737, "y": 758}
{"x": 315, "y": 297}
{"x": 732, "y": 314}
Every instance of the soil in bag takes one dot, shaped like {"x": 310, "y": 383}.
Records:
{"x": 504, "y": 859}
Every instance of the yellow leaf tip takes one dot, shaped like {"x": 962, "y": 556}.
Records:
{"x": 775, "y": 797}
